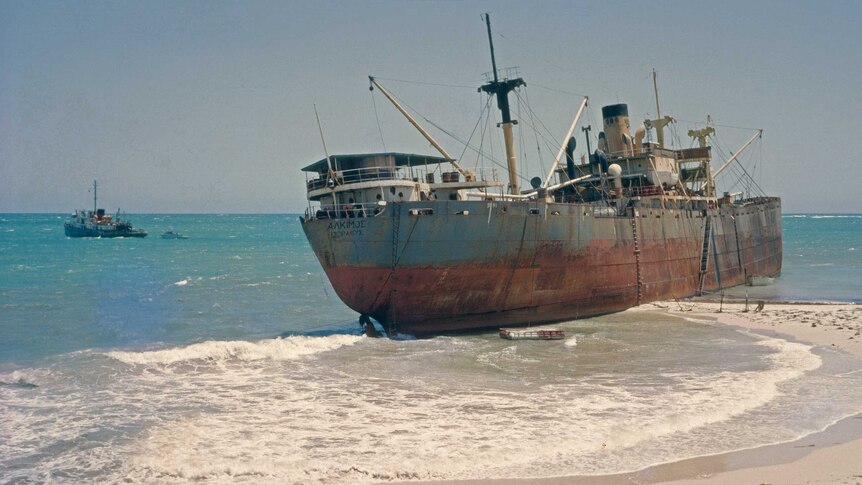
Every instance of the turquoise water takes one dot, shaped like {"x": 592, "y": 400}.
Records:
{"x": 822, "y": 260}
{"x": 237, "y": 276}
{"x": 254, "y": 276}
{"x": 227, "y": 357}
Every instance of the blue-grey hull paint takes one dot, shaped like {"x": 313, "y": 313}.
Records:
{"x": 433, "y": 266}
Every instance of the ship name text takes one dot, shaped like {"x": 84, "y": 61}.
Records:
{"x": 346, "y": 228}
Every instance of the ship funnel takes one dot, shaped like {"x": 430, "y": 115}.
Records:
{"x": 617, "y": 129}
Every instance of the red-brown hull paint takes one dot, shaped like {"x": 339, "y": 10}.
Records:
{"x": 541, "y": 280}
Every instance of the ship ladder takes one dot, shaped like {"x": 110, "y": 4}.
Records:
{"x": 396, "y": 223}
{"x": 704, "y": 254}
{"x": 634, "y": 221}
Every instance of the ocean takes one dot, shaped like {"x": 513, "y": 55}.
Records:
{"x": 228, "y": 358}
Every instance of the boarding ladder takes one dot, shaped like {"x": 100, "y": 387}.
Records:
{"x": 392, "y": 327}
{"x": 704, "y": 253}
{"x": 634, "y": 221}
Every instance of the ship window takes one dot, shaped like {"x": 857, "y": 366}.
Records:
{"x": 379, "y": 196}
{"x": 392, "y": 190}
{"x": 534, "y": 211}
{"x": 401, "y": 194}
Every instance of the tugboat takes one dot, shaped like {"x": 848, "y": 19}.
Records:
{"x": 637, "y": 220}
{"x": 96, "y": 223}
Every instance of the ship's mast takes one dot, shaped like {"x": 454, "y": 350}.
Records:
{"x": 501, "y": 89}
{"x": 655, "y": 88}
{"x": 659, "y": 123}
{"x": 95, "y": 197}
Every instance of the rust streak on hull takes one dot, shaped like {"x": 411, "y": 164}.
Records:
{"x": 519, "y": 268}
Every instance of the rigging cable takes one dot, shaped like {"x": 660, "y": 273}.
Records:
{"x": 535, "y": 132}
{"x": 479, "y": 157}
{"x": 425, "y": 83}
{"x": 481, "y": 115}
{"x": 379, "y": 129}
{"x": 523, "y": 155}
{"x": 550, "y": 136}
{"x": 411, "y": 108}
{"x": 558, "y": 90}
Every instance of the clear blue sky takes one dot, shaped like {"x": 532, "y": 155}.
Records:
{"x": 207, "y": 106}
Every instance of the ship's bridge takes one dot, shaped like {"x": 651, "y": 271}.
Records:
{"x": 340, "y": 170}
{"x": 369, "y": 179}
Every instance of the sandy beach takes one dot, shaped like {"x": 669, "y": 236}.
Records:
{"x": 828, "y": 457}
{"x": 833, "y": 455}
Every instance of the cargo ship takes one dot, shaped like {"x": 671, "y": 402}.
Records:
{"x": 96, "y": 223}
{"x": 425, "y": 246}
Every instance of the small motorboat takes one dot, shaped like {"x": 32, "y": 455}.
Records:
{"x": 173, "y": 235}
{"x": 755, "y": 280}
{"x": 532, "y": 334}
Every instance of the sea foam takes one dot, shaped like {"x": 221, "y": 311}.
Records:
{"x": 289, "y": 348}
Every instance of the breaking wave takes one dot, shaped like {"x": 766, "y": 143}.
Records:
{"x": 289, "y": 348}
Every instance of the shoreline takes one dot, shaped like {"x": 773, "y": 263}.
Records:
{"x": 827, "y": 456}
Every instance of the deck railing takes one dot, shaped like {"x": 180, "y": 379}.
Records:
{"x": 370, "y": 174}
{"x": 345, "y": 211}
{"x": 356, "y": 175}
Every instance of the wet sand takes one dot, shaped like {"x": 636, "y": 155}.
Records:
{"x": 830, "y": 456}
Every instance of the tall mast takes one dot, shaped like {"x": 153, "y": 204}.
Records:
{"x": 95, "y": 192}
{"x": 655, "y": 88}
{"x": 659, "y": 123}
{"x": 501, "y": 89}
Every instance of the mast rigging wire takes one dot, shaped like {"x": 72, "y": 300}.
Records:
{"x": 425, "y": 83}
{"x": 481, "y": 115}
{"x": 558, "y": 90}
{"x": 379, "y": 129}
{"x": 535, "y": 132}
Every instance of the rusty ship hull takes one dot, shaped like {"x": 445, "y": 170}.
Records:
{"x": 448, "y": 266}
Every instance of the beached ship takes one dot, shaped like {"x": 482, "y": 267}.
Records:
{"x": 631, "y": 222}
{"x": 96, "y": 223}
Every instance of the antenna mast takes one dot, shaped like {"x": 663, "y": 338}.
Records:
{"x": 659, "y": 123}
{"x": 655, "y": 88}
{"x": 325, "y": 151}
{"x": 95, "y": 192}
{"x": 501, "y": 89}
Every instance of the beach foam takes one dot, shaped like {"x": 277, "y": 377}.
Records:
{"x": 331, "y": 430}
{"x": 275, "y": 349}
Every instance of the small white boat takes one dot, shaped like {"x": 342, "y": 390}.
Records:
{"x": 532, "y": 334}
{"x": 173, "y": 235}
{"x": 755, "y": 280}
